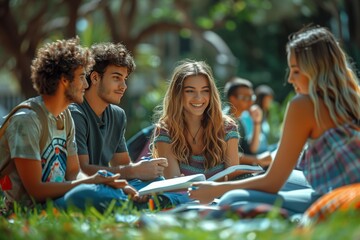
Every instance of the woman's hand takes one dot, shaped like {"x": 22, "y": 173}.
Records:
{"x": 181, "y": 175}
{"x": 256, "y": 113}
{"x": 205, "y": 192}
{"x": 265, "y": 161}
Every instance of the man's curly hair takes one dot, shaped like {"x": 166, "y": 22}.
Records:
{"x": 57, "y": 59}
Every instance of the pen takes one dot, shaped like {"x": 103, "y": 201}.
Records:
{"x": 105, "y": 173}
{"x": 151, "y": 204}
{"x": 145, "y": 158}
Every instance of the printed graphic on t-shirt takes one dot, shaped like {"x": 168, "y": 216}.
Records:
{"x": 53, "y": 161}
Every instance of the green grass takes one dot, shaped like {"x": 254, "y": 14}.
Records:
{"x": 122, "y": 223}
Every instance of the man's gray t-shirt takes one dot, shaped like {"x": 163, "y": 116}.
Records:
{"x": 22, "y": 140}
{"x": 99, "y": 137}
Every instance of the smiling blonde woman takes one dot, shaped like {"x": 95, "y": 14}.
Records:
{"x": 191, "y": 132}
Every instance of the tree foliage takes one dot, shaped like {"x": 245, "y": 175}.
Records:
{"x": 237, "y": 37}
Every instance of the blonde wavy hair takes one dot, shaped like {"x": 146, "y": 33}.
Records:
{"x": 170, "y": 116}
{"x": 320, "y": 57}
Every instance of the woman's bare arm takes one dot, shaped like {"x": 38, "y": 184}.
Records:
{"x": 164, "y": 151}
{"x": 299, "y": 122}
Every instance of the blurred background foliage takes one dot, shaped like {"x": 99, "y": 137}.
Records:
{"x": 236, "y": 37}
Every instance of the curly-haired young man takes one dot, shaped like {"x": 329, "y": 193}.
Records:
{"x": 50, "y": 171}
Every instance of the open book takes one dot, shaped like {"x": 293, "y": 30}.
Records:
{"x": 240, "y": 169}
{"x": 182, "y": 183}
{"x": 171, "y": 184}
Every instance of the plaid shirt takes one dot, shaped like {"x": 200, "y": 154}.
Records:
{"x": 332, "y": 160}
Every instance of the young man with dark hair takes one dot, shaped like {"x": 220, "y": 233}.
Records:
{"x": 101, "y": 123}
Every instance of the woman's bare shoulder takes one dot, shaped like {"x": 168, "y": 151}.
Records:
{"x": 301, "y": 99}
{"x": 302, "y": 102}
{"x": 301, "y": 108}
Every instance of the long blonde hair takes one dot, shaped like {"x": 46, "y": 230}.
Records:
{"x": 331, "y": 78}
{"x": 171, "y": 116}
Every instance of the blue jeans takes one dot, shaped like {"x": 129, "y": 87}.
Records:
{"x": 295, "y": 196}
{"x": 96, "y": 195}
{"x": 296, "y": 201}
{"x": 295, "y": 181}
{"x": 100, "y": 195}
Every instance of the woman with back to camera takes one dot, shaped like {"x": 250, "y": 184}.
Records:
{"x": 324, "y": 115}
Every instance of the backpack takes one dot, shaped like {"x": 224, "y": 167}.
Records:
{"x": 9, "y": 165}
{"x": 139, "y": 143}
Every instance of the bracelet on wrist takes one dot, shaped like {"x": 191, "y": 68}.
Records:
{"x": 257, "y": 123}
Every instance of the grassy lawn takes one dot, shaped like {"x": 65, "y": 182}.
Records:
{"x": 122, "y": 223}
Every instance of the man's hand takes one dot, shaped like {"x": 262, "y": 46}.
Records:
{"x": 134, "y": 195}
{"x": 118, "y": 183}
{"x": 150, "y": 169}
{"x": 105, "y": 177}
